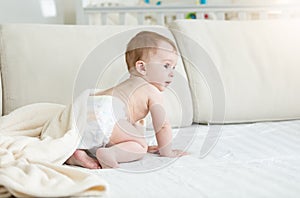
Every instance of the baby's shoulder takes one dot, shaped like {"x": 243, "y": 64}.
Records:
{"x": 154, "y": 95}
{"x": 152, "y": 90}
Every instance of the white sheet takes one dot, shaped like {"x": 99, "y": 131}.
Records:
{"x": 249, "y": 160}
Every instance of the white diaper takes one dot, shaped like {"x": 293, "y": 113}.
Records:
{"x": 102, "y": 114}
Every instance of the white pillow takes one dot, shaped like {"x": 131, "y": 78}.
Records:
{"x": 241, "y": 71}
{"x": 50, "y": 63}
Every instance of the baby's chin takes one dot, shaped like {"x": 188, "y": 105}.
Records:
{"x": 159, "y": 86}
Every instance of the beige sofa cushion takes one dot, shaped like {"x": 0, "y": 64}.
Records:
{"x": 51, "y": 63}
{"x": 241, "y": 71}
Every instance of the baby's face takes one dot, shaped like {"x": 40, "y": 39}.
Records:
{"x": 161, "y": 65}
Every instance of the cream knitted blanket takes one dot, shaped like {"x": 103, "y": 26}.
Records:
{"x": 35, "y": 141}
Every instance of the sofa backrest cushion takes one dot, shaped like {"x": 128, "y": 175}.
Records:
{"x": 241, "y": 71}
{"x": 52, "y": 63}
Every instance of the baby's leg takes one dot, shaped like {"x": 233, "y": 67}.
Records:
{"x": 128, "y": 144}
{"x": 81, "y": 158}
{"x": 122, "y": 152}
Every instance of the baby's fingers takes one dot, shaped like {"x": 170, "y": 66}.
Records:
{"x": 152, "y": 149}
{"x": 179, "y": 153}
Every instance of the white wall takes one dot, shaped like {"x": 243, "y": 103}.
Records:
{"x": 29, "y": 11}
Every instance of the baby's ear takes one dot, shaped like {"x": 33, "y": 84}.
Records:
{"x": 140, "y": 67}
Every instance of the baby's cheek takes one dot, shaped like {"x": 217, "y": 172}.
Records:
{"x": 160, "y": 77}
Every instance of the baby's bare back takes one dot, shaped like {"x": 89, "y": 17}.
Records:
{"x": 137, "y": 94}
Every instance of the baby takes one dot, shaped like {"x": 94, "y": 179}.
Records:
{"x": 151, "y": 59}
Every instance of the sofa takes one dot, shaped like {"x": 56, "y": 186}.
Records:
{"x": 234, "y": 104}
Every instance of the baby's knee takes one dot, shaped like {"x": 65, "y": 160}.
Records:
{"x": 143, "y": 148}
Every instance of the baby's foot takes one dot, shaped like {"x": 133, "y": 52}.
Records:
{"x": 106, "y": 158}
{"x": 81, "y": 158}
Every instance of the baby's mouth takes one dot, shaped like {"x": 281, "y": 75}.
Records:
{"x": 168, "y": 82}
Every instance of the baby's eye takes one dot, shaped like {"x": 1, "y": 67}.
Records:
{"x": 167, "y": 66}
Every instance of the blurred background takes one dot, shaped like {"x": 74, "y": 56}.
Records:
{"x": 71, "y": 11}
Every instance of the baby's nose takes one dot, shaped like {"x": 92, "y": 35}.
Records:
{"x": 171, "y": 74}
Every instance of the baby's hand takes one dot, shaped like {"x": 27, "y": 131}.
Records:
{"x": 175, "y": 153}
{"x": 152, "y": 149}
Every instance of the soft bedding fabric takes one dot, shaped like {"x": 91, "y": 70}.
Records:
{"x": 249, "y": 160}
{"x": 35, "y": 141}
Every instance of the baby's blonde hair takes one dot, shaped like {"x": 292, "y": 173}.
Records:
{"x": 142, "y": 44}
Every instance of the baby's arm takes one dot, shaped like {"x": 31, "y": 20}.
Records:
{"x": 162, "y": 128}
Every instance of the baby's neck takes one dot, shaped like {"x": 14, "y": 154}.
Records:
{"x": 137, "y": 77}
{"x": 134, "y": 74}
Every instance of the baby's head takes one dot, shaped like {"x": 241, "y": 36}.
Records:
{"x": 152, "y": 57}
